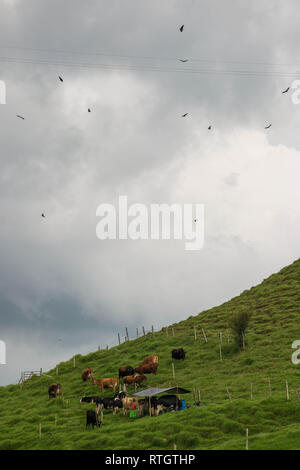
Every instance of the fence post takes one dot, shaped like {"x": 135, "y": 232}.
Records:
{"x": 173, "y": 370}
{"x": 175, "y": 446}
{"x": 297, "y": 395}
{"x": 173, "y": 332}
{"x": 74, "y": 361}
{"x": 41, "y": 371}
{"x": 199, "y": 395}
{"x": 227, "y": 336}
{"x": 221, "y": 358}
{"x": 127, "y": 336}
{"x": 119, "y": 339}
{"x": 106, "y": 348}
{"x": 152, "y": 328}
{"x": 144, "y": 333}
{"x": 247, "y": 437}
{"x": 40, "y": 431}
{"x": 167, "y": 331}
{"x": 287, "y": 390}
{"x": 195, "y": 333}
{"x": 251, "y": 391}
{"x": 99, "y": 350}
{"x": 56, "y": 370}
{"x": 204, "y": 335}
{"x": 221, "y": 339}
{"x": 229, "y": 396}
{"x": 137, "y": 332}
{"x": 243, "y": 341}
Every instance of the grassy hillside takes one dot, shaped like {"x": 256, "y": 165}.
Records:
{"x": 272, "y": 420}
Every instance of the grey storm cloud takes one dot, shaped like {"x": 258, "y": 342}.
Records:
{"x": 120, "y": 59}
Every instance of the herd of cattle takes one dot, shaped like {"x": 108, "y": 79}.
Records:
{"x": 130, "y": 376}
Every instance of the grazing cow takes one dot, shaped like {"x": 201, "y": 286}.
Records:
{"x": 108, "y": 402}
{"x": 178, "y": 353}
{"x": 125, "y": 370}
{"x": 147, "y": 369}
{"x": 92, "y": 419}
{"x": 106, "y": 383}
{"x": 93, "y": 399}
{"x": 134, "y": 379}
{"x": 150, "y": 360}
{"x": 87, "y": 374}
{"x": 54, "y": 390}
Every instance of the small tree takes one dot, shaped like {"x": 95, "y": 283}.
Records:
{"x": 238, "y": 324}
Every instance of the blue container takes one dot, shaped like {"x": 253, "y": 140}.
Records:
{"x": 183, "y": 405}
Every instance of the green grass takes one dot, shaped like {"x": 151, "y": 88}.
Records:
{"x": 273, "y": 422}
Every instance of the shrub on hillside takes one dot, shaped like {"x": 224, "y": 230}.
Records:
{"x": 238, "y": 324}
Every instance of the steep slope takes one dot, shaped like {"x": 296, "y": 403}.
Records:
{"x": 226, "y": 385}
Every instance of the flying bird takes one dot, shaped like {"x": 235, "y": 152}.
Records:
{"x": 209, "y": 128}
{"x": 181, "y": 28}
{"x": 268, "y": 127}
{"x": 21, "y": 117}
{"x": 184, "y": 115}
{"x": 89, "y": 110}
{"x": 43, "y": 215}
{"x": 183, "y": 60}
{"x": 285, "y": 91}
{"x": 61, "y": 79}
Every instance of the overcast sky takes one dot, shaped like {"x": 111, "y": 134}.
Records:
{"x": 62, "y": 290}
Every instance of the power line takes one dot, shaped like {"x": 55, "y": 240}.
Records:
{"x": 152, "y": 68}
{"x": 127, "y": 56}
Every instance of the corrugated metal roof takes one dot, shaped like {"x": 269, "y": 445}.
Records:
{"x": 150, "y": 392}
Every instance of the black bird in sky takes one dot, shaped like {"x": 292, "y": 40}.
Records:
{"x": 183, "y": 60}
{"x": 181, "y": 28}
{"x": 61, "y": 79}
{"x": 43, "y": 215}
{"x": 184, "y": 115}
{"x": 268, "y": 127}
{"x": 285, "y": 91}
{"x": 209, "y": 128}
{"x": 89, "y": 110}
{"x": 21, "y": 117}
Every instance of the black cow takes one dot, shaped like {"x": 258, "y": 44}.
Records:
{"x": 168, "y": 401}
{"x": 125, "y": 370}
{"x": 178, "y": 353}
{"x": 92, "y": 419}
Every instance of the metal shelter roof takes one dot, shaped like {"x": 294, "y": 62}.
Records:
{"x": 149, "y": 392}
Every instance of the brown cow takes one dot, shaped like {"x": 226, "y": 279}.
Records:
{"x": 134, "y": 379}
{"x": 150, "y": 360}
{"x": 106, "y": 383}
{"x": 146, "y": 369}
{"x": 87, "y": 374}
{"x": 54, "y": 390}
